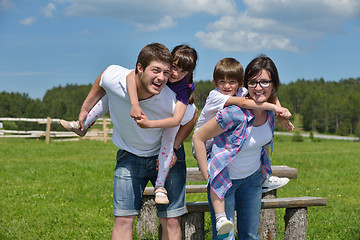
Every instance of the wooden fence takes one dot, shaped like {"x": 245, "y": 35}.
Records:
{"x": 53, "y": 134}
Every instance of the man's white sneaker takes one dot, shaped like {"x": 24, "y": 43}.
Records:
{"x": 223, "y": 227}
{"x": 274, "y": 182}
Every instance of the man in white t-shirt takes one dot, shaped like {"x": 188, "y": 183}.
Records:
{"x": 139, "y": 147}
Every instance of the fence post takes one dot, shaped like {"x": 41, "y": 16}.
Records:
{"x": 104, "y": 130}
{"x": 48, "y": 126}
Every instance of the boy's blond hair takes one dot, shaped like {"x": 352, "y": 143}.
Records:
{"x": 229, "y": 68}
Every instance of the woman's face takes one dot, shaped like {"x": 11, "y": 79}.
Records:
{"x": 177, "y": 73}
{"x": 260, "y": 87}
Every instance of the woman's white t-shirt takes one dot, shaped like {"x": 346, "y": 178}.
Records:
{"x": 247, "y": 160}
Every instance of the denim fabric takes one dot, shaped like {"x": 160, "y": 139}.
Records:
{"x": 244, "y": 194}
{"x": 132, "y": 173}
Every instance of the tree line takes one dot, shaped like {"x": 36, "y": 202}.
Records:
{"x": 324, "y": 107}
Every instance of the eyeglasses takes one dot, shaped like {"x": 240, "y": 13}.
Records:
{"x": 263, "y": 83}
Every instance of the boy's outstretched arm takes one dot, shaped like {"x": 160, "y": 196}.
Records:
{"x": 247, "y": 103}
{"x": 283, "y": 120}
{"x": 283, "y": 114}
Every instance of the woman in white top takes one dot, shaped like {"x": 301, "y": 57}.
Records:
{"x": 233, "y": 171}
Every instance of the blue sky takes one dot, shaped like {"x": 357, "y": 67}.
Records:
{"x": 45, "y": 44}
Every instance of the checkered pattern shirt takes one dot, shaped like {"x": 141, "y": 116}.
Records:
{"x": 237, "y": 124}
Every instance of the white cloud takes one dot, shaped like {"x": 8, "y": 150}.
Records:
{"x": 124, "y": 8}
{"x": 243, "y": 41}
{"x": 28, "y": 21}
{"x": 345, "y": 8}
{"x": 148, "y": 15}
{"x": 22, "y": 74}
{"x": 166, "y": 22}
{"x": 254, "y": 25}
{"x": 278, "y": 24}
{"x": 5, "y": 5}
{"x": 49, "y": 10}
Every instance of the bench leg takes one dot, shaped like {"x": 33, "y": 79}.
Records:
{"x": 295, "y": 223}
{"x": 267, "y": 224}
{"x": 192, "y": 226}
{"x": 147, "y": 220}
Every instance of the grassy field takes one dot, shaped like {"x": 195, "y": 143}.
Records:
{"x": 63, "y": 190}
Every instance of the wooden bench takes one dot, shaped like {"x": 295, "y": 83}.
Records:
{"x": 193, "y": 222}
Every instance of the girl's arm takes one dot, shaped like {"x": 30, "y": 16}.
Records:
{"x": 135, "y": 111}
{"x": 173, "y": 121}
{"x": 209, "y": 130}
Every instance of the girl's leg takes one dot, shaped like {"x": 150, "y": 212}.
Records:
{"x": 98, "y": 110}
{"x": 165, "y": 157}
{"x": 166, "y": 154}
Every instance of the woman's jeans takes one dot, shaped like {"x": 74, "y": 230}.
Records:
{"x": 246, "y": 195}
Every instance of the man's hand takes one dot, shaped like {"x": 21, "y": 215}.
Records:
{"x": 172, "y": 163}
{"x": 136, "y": 112}
{"x": 173, "y": 160}
{"x": 82, "y": 116}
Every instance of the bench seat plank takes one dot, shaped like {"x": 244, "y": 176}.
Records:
{"x": 292, "y": 202}
{"x": 194, "y": 175}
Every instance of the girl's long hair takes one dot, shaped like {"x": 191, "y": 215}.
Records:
{"x": 186, "y": 58}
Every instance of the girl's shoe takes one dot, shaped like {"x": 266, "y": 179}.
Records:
{"x": 73, "y": 127}
{"x": 161, "y": 195}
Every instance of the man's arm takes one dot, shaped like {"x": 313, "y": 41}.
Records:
{"x": 185, "y": 130}
{"x": 183, "y": 133}
{"x": 92, "y": 98}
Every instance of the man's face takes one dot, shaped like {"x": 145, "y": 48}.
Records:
{"x": 153, "y": 78}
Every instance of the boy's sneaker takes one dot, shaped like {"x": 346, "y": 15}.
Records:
{"x": 274, "y": 182}
{"x": 73, "y": 127}
{"x": 223, "y": 227}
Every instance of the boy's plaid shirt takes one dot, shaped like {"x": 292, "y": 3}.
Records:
{"x": 237, "y": 124}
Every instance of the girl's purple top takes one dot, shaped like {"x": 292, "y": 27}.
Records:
{"x": 181, "y": 89}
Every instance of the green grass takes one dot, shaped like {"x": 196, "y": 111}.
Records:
{"x": 63, "y": 190}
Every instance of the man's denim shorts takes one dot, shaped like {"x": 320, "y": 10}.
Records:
{"x": 132, "y": 173}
